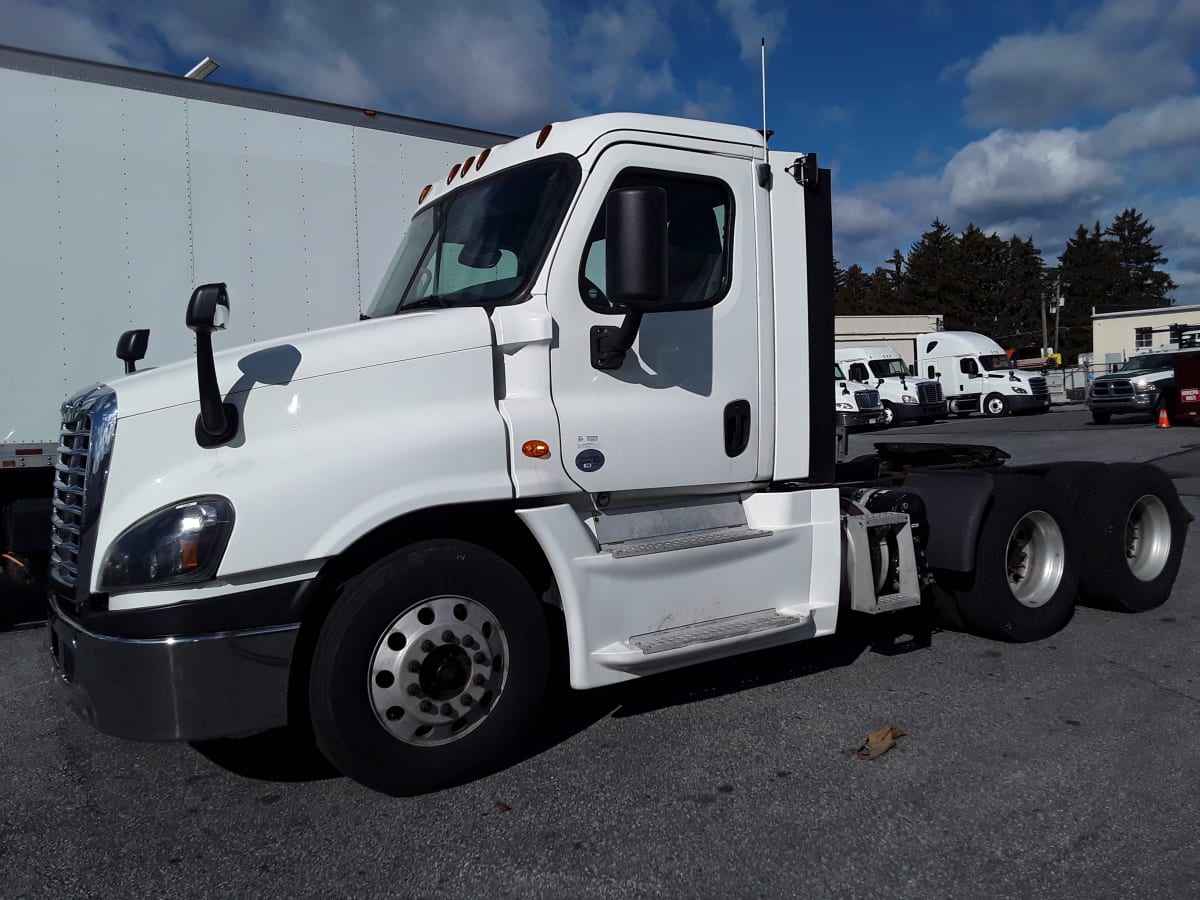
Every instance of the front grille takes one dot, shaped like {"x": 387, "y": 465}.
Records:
{"x": 80, "y": 470}
{"x": 930, "y": 392}
{"x": 1117, "y": 388}
{"x": 1038, "y": 385}
{"x": 867, "y": 399}
{"x": 70, "y": 488}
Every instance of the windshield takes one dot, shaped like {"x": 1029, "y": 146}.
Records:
{"x": 837, "y": 373}
{"x": 1148, "y": 362}
{"x": 888, "y": 368}
{"x": 481, "y": 245}
{"x": 994, "y": 362}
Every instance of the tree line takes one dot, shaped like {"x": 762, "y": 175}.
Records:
{"x": 979, "y": 282}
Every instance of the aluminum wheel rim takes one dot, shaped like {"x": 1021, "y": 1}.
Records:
{"x": 437, "y": 671}
{"x": 889, "y": 415}
{"x": 995, "y": 406}
{"x": 1035, "y": 558}
{"x": 1147, "y": 538}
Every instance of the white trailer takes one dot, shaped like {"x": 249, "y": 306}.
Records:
{"x": 588, "y": 413}
{"x": 123, "y": 189}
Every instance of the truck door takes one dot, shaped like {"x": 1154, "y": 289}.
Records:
{"x": 968, "y": 370}
{"x": 684, "y": 408}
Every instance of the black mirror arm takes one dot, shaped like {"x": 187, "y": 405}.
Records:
{"x": 218, "y": 421}
{"x": 611, "y": 343}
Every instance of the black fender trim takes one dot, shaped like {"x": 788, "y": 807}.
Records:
{"x": 956, "y": 502}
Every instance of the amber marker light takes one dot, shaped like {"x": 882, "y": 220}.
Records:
{"x": 424, "y": 193}
{"x": 542, "y": 135}
{"x": 453, "y": 171}
{"x": 482, "y": 157}
{"x": 467, "y": 166}
{"x": 536, "y": 449}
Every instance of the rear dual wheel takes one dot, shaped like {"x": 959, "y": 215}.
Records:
{"x": 429, "y": 669}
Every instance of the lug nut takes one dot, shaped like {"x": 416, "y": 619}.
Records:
{"x": 448, "y": 637}
{"x": 447, "y": 709}
{"x": 413, "y": 690}
{"x": 426, "y": 706}
{"x": 466, "y": 700}
{"x": 469, "y": 642}
{"x": 479, "y": 680}
{"x": 426, "y": 646}
{"x": 414, "y": 666}
{"x": 481, "y": 657}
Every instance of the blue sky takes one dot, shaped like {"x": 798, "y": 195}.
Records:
{"x": 1024, "y": 117}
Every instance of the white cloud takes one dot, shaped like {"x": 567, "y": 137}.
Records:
{"x": 1124, "y": 55}
{"x": 1175, "y": 122}
{"x": 753, "y": 22}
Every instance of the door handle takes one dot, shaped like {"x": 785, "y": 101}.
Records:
{"x": 737, "y": 427}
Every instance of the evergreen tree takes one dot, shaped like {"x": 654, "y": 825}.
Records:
{"x": 853, "y": 296}
{"x": 1088, "y": 269}
{"x": 1140, "y": 282}
{"x": 978, "y": 275}
{"x": 1022, "y": 294}
{"x": 929, "y": 280}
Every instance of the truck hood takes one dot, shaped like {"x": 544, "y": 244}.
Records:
{"x": 1137, "y": 375}
{"x": 374, "y": 342}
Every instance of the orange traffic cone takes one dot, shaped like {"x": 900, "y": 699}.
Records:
{"x": 1164, "y": 421}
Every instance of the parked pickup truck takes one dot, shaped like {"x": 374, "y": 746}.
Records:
{"x": 1144, "y": 385}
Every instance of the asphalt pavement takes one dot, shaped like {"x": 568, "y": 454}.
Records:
{"x": 1064, "y": 768}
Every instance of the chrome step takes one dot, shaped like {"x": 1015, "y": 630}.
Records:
{"x": 623, "y": 549}
{"x": 713, "y": 630}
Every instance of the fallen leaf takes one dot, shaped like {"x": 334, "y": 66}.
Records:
{"x": 503, "y": 807}
{"x": 880, "y": 742}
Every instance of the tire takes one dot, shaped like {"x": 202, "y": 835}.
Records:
{"x": 1101, "y": 418}
{"x": 1133, "y": 530}
{"x": 995, "y": 406}
{"x": 1026, "y": 563}
{"x": 889, "y": 414}
{"x": 407, "y": 715}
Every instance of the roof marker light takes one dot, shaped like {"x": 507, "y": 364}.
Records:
{"x": 424, "y": 193}
{"x": 467, "y": 166}
{"x": 453, "y": 171}
{"x": 543, "y": 134}
{"x": 482, "y": 157}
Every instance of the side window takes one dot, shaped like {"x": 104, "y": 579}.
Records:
{"x": 858, "y": 372}
{"x": 967, "y": 366}
{"x": 699, "y": 219}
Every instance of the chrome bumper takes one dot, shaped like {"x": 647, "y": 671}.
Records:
{"x": 193, "y": 687}
{"x": 861, "y": 419}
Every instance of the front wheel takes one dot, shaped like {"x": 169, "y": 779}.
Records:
{"x": 1026, "y": 563}
{"x": 995, "y": 406}
{"x": 429, "y": 669}
{"x": 889, "y": 414}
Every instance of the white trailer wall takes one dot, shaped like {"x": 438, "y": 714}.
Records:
{"x": 118, "y": 201}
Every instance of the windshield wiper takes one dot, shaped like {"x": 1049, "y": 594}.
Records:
{"x": 433, "y": 301}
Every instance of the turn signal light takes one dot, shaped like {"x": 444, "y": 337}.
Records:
{"x": 536, "y": 449}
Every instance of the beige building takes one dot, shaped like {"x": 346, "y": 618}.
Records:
{"x": 898, "y": 332}
{"x": 1116, "y": 336}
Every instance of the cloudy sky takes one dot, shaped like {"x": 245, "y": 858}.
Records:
{"x": 1026, "y": 117}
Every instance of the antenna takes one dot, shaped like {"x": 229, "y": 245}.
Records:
{"x": 764, "y": 168}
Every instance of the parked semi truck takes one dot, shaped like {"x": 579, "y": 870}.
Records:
{"x": 857, "y": 405}
{"x": 588, "y": 413}
{"x": 123, "y": 188}
{"x": 905, "y": 397}
{"x": 978, "y": 376}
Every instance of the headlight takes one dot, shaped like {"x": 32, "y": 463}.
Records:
{"x": 908, "y": 398}
{"x": 179, "y": 544}
{"x": 1144, "y": 386}
{"x": 1020, "y": 390}
{"x": 846, "y": 406}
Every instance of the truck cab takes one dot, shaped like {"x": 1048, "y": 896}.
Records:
{"x": 978, "y": 376}
{"x": 905, "y": 397}
{"x": 1145, "y": 385}
{"x": 857, "y": 405}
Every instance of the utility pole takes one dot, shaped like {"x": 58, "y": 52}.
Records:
{"x": 1045, "y": 338}
{"x": 1058, "y": 303}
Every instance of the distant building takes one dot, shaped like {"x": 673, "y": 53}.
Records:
{"x": 898, "y": 332}
{"x": 1120, "y": 332}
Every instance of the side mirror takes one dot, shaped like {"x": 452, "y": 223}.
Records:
{"x": 636, "y": 247}
{"x": 131, "y": 348}
{"x": 208, "y": 309}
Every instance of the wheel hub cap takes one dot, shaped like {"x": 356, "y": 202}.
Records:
{"x": 1035, "y": 558}
{"x": 1147, "y": 538}
{"x": 437, "y": 671}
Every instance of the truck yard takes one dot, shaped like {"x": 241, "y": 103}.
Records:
{"x": 1065, "y": 767}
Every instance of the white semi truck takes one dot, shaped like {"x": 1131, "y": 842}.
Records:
{"x": 123, "y": 188}
{"x": 857, "y": 405}
{"x": 588, "y": 411}
{"x": 905, "y": 397}
{"x": 978, "y": 376}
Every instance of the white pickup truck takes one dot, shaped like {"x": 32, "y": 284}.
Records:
{"x": 589, "y": 411}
